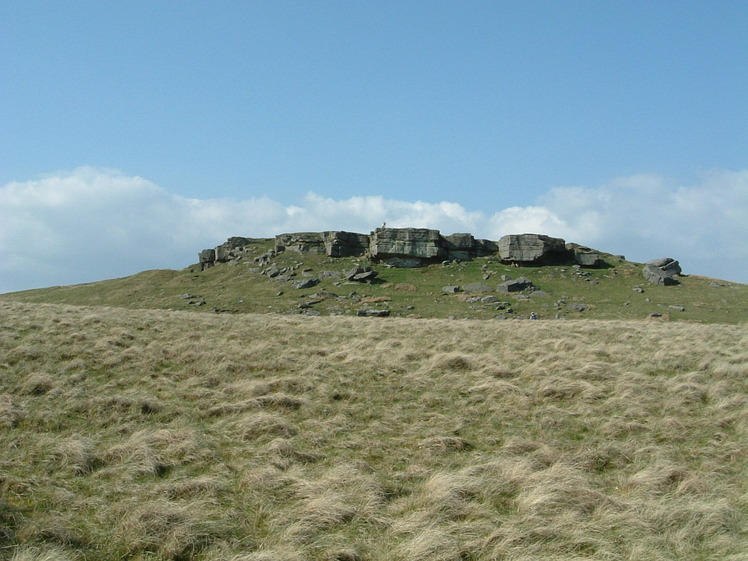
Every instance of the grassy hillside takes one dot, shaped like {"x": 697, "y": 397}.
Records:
{"x": 169, "y": 435}
{"x": 616, "y": 291}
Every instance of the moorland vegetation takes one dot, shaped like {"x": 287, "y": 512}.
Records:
{"x": 176, "y": 435}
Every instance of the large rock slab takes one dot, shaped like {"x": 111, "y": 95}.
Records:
{"x": 300, "y": 242}
{"x": 531, "y": 249}
{"x": 345, "y": 244}
{"x": 515, "y": 285}
{"x": 584, "y": 256}
{"x": 406, "y": 247}
{"x": 662, "y": 271}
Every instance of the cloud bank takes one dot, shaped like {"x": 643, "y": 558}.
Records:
{"x": 93, "y": 224}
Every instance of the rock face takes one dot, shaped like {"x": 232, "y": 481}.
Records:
{"x": 662, "y": 271}
{"x": 531, "y": 249}
{"x": 410, "y": 247}
{"x": 300, "y": 242}
{"x": 331, "y": 243}
{"x": 584, "y": 256}
{"x": 406, "y": 247}
{"x": 345, "y": 244}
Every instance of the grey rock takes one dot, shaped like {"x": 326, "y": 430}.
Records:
{"x": 305, "y": 283}
{"x": 658, "y": 275}
{"x": 371, "y": 313}
{"x": 515, "y": 285}
{"x": 666, "y": 264}
{"x": 584, "y": 256}
{"x": 360, "y": 274}
{"x": 450, "y": 289}
{"x": 477, "y": 288}
{"x": 531, "y": 248}
{"x": 300, "y": 242}
{"x": 489, "y": 300}
{"x": 406, "y": 247}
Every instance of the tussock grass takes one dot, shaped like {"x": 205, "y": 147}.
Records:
{"x": 183, "y": 436}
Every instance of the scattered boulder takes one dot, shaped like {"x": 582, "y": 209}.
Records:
{"x": 450, "y": 289}
{"x": 477, "y": 288}
{"x": 662, "y": 271}
{"x": 515, "y": 285}
{"x": 305, "y": 283}
{"x": 360, "y": 274}
{"x": 372, "y": 313}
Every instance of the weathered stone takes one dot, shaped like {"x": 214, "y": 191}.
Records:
{"x": 531, "y": 248}
{"x": 489, "y": 300}
{"x": 207, "y": 258}
{"x": 583, "y": 256}
{"x": 667, "y": 264}
{"x": 365, "y": 276}
{"x": 477, "y": 288}
{"x": 305, "y": 283}
{"x": 300, "y": 242}
{"x": 372, "y": 313}
{"x": 450, "y": 289}
{"x": 360, "y": 274}
{"x": 515, "y": 285}
{"x": 345, "y": 244}
{"x": 658, "y": 275}
{"x": 406, "y": 247}
{"x": 459, "y": 246}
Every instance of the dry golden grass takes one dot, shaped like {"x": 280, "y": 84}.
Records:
{"x": 180, "y": 436}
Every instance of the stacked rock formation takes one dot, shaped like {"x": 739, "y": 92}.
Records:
{"x": 414, "y": 247}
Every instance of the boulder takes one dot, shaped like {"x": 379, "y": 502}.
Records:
{"x": 207, "y": 258}
{"x": 515, "y": 285}
{"x": 584, "y": 256}
{"x": 450, "y": 289}
{"x": 459, "y": 246}
{"x": 406, "y": 247}
{"x": 300, "y": 242}
{"x": 360, "y": 274}
{"x": 667, "y": 264}
{"x": 372, "y": 313}
{"x": 658, "y": 275}
{"x": 477, "y": 288}
{"x": 345, "y": 244}
{"x": 531, "y": 248}
{"x": 305, "y": 283}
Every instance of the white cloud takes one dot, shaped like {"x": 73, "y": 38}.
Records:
{"x": 91, "y": 224}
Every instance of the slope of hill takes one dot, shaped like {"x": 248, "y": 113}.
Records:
{"x": 615, "y": 291}
{"x": 168, "y": 435}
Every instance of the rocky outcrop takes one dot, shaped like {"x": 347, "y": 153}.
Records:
{"x": 331, "y": 243}
{"x": 662, "y": 271}
{"x": 410, "y": 247}
{"x": 532, "y": 249}
{"x": 406, "y": 247}
{"x": 584, "y": 256}
{"x": 300, "y": 242}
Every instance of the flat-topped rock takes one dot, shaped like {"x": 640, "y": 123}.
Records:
{"x": 531, "y": 248}
{"x": 406, "y": 247}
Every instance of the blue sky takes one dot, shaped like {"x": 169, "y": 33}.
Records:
{"x": 620, "y": 125}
